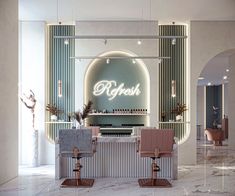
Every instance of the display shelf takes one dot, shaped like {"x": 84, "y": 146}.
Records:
{"x": 58, "y": 122}
{"x": 117, "y": 114}
{"x": 174, "y": 122}
{"x": 116, "y": 128}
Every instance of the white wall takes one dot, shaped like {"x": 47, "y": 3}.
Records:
{"x": 226, "y": 104}
{"x": 9, "y": 90}
{"x": 32, "y": 76}
{"x": 231, "y": 102}
{"x": 200, "y": 109}
{"x": 96, "y": 47}
{"x": 207, "y": 40}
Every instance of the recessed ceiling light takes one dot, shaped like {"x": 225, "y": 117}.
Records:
{"x": 201, "y": 78}
{"x": 209, "y": 84}
{"x": 227, "y": 70}
{"x": 139, "y": 42}
{"x": 225, "y": 77}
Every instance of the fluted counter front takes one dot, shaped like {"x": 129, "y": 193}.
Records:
{"x": 116, "y": 157}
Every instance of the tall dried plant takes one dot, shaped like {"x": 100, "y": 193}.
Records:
{"x": 84, "y": 114}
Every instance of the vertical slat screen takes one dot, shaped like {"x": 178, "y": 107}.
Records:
{"x": 60, "y": 67}
{"x": 118, "y": 160}
{"x": 173, "y": 69}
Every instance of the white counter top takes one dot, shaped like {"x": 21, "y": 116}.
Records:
{"x": 110, "y": 139}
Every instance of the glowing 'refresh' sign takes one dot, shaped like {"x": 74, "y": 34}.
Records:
{"x": 112, "y": 90}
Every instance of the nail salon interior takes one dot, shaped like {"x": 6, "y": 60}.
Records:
{"x": 119, "y": 98}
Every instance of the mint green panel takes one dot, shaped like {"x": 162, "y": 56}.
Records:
{"x": 121, "y": 71}
{"x": 60, "y": 67}
{"x": 133, "y": 76}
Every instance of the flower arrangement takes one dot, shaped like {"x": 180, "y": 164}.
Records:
{"x": 80, "y": 116}
{"x": 180, "y": 108}
{"x": 53, "y": 109}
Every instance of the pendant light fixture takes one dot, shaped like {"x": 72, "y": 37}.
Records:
{"x": 173, "y": 88}
{"x": 60, "y": 88}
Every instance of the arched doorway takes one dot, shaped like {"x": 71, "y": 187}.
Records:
{"x": 212, "y": 91}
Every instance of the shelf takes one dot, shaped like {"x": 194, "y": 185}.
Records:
{"x": 58, "y": 122}
{"x": 116, "y": 128}
{"x": 174, "y": 122}
{"x": 117, "y": 114}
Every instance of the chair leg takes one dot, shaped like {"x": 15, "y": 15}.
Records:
{"x": 77, "y": 182}
{"x": 154, "y": 181}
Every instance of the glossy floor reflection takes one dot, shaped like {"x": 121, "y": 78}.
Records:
{"x": 213, "y": 175}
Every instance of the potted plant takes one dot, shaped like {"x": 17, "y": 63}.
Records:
{"x": 80, "y": 116}
{"x": 53, "y": 110}
{"x": 178, "y": 110}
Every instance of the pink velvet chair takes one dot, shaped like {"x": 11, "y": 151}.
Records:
{"x": 215, "y": 135}
{"x": 155, "y": 143}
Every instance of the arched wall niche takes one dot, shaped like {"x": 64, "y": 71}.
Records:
{"x": 207, "y": 39}
{"x": 118, "y": 74}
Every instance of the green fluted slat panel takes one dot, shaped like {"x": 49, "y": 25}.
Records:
{"x": 60, "y": 67}
{"x": 173, "y": 69}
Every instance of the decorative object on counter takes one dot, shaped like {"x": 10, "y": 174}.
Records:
{"x": 130, "y": 111}
{"x": 30, "y": 103}
{"x": 163, "y": 116}
{"x": 80, "y": 116}
{"x": 180, "y": 108}
{"x": 54, "y": 111}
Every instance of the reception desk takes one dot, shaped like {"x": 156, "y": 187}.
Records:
{"x": 116, "y": 157}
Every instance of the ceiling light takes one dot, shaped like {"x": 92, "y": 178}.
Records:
{"x": 139, "y": 42}
{"x": 201, "y": 78}
{"x": 66, "y": 41}
{"x": 133, "y": 61}
{"x": 209, "y": 84}
{"x": 107, "y": 61}
{"x": 225, "y": 77}
{"x": 227, "y": 70}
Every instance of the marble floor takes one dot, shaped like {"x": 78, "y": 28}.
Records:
{"x": 214, "y": 174}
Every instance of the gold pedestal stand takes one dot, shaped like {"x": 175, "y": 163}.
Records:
{"x": 77, "y": 181}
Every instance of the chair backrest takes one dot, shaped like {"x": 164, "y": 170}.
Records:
{"x": 161, "y": 140}
{"x": 137, "y": 130}
{"x": 95, "y": 130}
{"x": 79, "y": 138}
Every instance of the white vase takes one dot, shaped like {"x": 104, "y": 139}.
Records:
{"x": 34, "y": 147}
{"x": 179, "y": 118}
{"x": 53, "y": 117}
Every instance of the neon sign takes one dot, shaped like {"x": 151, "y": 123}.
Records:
{"x": 112, "y": 90}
